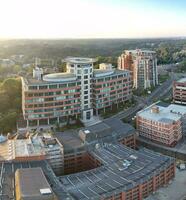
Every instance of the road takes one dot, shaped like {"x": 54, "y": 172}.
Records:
{"x": 163, "y": 91}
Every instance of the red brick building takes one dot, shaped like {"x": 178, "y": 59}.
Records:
{"x": 162, "y": 123}
{"x": 179, "y": 91}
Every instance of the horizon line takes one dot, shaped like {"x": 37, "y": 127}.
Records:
{"x": 91, "y": 38}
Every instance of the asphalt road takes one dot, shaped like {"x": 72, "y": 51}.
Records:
{"x": 163, "y": 91}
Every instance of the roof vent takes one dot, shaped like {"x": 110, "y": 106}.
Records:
{"x": 86, "y": 131}
{"x": 155, "y": 109}
{"x": 133, "y": 157}
{"x": 45, "y": 191}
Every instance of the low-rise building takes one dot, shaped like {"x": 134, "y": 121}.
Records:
{"x": 162, "y": 123}
{"x": 36, "y": 148}
{"x": 179, "y": 91}
{"x": 109, "y": 130}
{"x": 31, "y": 184}
{"x": 120, "y": 173}
{"x": 96, "y": 166}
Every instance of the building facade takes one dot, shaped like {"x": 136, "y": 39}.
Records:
{"x": 79, "y": 92}
{"x": 34, "y": 148}
{"x": 143, "y": 66}
{"x": 179, "y": 91}
{"x": 164, "y": 124}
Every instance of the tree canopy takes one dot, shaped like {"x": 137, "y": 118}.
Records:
{"x": 10, "y": 104}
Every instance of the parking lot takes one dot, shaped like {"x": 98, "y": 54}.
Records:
{"x": 176, "y": 190}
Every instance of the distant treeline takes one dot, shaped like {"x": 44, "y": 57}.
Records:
{"x": 168, "y": 50}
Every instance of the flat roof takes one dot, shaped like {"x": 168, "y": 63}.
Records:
{"x": 8, "y": 169}
{"x": 26, "y": 148}
{"x": 109, "y": 130}
{"x": 69, "y": 77}
{"x": 182, "y": 80}
{"x": 59, "y": 77}
{"x": 103, "y": 72}
{"x": 108, "y": 72}
{"x": 34, "y": 146}
{"x": 70, "y": 140}
{"x": 80, "y": 60}
{"x": 140, "y": 50}
{"x": 32, "y": 181}
{"x": 51, "y": 78}
{"x": 122, "y": 169}
{"x": 166, "y": 114}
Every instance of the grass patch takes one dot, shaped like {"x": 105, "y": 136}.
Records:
{"x": 163, "y": 78}
{"x": 144, "y": 92}
{"x": 110, "y": 112}
{"x": 76, "y": 125}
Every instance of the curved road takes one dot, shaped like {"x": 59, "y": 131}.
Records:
{"x": 163, "y": 90}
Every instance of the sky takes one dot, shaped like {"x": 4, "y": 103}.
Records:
{"x": 92, "y": 18}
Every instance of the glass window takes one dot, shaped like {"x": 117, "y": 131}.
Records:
{"x": 43, "y": 87}
{"x": 85, "y": 71}
{"x": 62, "y": 85}
{"x": 32, "y": 87}
{"x": 71, "y": 84}
{"x": 86, "y": 107}
{"x": 52, "y": 86}
{"x": 88, "y": 114}
{"x": 85, "y": 102}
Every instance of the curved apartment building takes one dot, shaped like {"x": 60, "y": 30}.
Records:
{"x": 80, "y": 92}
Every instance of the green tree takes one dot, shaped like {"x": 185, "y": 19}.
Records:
{"x": 10, "y": 103}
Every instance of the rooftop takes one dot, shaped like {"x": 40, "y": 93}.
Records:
{"x": 79, "y": 60}
{"x": 107, "y": 131}
{"x": 140, "y": 51}
{"x": 122, "y": 169}
{"x": 182, "y": 80}
{"x": 32, "y": 182}
{"x": 103, "y": 72}
{"x": 70, "y": 140}
{"x": 27, "y": 148}
{"x": 59, "y": 77}
{"x": 8, "y": 169}
{"x": 166, "y": 114}
{"x": 108, "y": 72}
{"x": 50, "y": 78}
